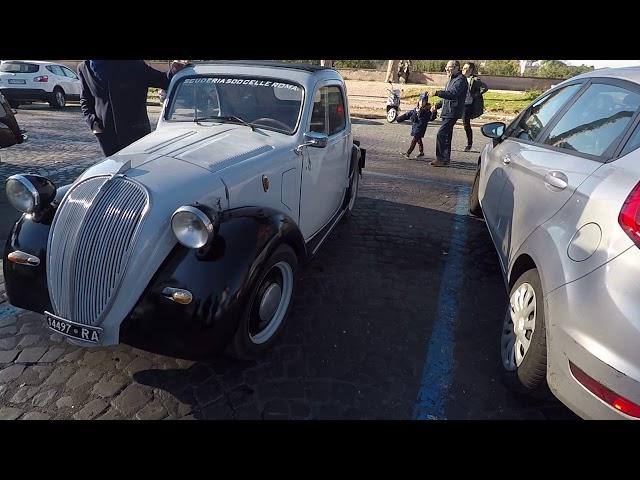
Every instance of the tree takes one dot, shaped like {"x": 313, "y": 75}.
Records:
{"x": 560, "y": 70}
{"x": 501, "y": 67}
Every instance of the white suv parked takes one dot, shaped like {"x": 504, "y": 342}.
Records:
{"x": 33, "y": 81}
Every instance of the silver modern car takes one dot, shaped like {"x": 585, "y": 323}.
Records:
{"x": 559, "y": 189}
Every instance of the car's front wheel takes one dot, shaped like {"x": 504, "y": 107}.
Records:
{"x": 523, "y": 342}
{"x": 266, "y": 312}
{"x": 58, "y": 99}
{"x": 474, "y": 202}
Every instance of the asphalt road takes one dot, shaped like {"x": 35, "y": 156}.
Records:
{"x": 398, "y": 317}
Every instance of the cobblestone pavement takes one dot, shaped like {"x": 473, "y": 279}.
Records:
{"x": 356, "y": 341}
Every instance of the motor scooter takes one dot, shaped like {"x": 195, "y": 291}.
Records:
{"x": 393, "y": 103}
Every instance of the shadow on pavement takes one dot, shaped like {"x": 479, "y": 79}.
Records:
{"x": 70, "y": 107}
{"x": 364, "y": 121}
{"x": 355, "y": 344}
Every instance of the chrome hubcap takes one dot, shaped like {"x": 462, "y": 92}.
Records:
{"x": 274, "y": 302}
{"x": 519, "y": 325}
{"x": 60, "y": 98}
{"x": 269, "y": 303}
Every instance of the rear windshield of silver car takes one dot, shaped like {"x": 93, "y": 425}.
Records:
{"x": 262, "y": 102}
{"x": 19, "y": 67}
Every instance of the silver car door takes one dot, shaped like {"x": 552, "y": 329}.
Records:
{"x": 542, "y": 177}
{"x": 492, "y": 179}
{"x": 517, "y": 166}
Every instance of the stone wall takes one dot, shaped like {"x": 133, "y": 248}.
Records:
{"x": 494, "y": 82}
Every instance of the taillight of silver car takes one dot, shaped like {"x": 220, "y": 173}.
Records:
{"x": 610, "y": 397}
{"x": 629, "y": 218}
{"x": 42, "y": 78}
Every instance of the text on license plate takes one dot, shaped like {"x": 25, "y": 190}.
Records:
{"x": 14, "y": 81}
{"x": 71, "y": 329}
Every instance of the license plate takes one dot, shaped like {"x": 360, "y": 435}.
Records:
{"x": 20, "y": 82}
{"x": 73, "y": 329}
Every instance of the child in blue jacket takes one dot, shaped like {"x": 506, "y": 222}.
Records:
{"x": 420, "y": 117}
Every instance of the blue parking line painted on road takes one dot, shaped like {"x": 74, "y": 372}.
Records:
{"x": 436, "y": 374}
{"x": 7, "y": 310}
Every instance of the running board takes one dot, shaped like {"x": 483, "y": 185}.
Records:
{"x": 318, "y": 239}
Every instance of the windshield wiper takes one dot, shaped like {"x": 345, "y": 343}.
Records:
{"x": 225, "y": 118}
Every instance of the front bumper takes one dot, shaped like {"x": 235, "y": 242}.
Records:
{"x": 594, "y": 322}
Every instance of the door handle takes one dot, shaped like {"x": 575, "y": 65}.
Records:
{"x": 506, "y": 159}
{"x": 556, "y": 179}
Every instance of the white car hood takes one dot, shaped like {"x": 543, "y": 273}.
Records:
{"x": 212, "y": 147}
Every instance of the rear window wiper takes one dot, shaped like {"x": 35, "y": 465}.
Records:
{"x": 228, "y": 118}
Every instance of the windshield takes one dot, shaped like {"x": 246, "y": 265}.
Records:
{"x": 263, "y": 102}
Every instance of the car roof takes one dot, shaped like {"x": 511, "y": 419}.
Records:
{"x": 631, "y": 74}
{"x": 305, "y": 75}
{"x": 266, "y": 63}
{"x": 36, "y": 62}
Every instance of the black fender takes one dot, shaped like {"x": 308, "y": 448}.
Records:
{"x": 356, "y": 165}
{"x": 26, "y": 285}
{"x": 219, "y": 276}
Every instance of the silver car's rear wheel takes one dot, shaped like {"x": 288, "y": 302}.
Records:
{"x": 523, "y": 343}
{"x": 519, "y": 325}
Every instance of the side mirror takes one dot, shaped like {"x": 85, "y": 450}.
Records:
{"x": 493, "y": 130}
{"x": 313, "y": 139}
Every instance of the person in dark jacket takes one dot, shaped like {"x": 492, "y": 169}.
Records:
{"x": 113, "y": 99}
{"x": 452, "y": 104}
{"x": 474, "y": 103}
{"x": 420, "y": 118}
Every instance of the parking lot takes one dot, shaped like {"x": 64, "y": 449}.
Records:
{"x": 398, "y": 317}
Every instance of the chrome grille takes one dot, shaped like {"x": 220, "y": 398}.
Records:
{"x": 91, "y": 240}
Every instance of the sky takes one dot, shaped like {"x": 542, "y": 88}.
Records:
{"x": 604, "y": 63}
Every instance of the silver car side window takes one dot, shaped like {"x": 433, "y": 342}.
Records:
{"x": 541, "y": 112}
{"x": 319, "y": 111}
{"x": 69, "y": 73}
{"x": 633, "y": 142}
{"x": 596, "y": 120}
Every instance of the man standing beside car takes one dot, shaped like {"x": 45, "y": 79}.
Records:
{"x": 113, "y": 99}
{"x": 453, "y": 97}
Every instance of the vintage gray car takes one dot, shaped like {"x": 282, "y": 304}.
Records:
{"x": 188, "y": 241}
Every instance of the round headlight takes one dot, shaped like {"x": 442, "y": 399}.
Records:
{"x": 22, "y": 194}
{"x": 192, "y": 227}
